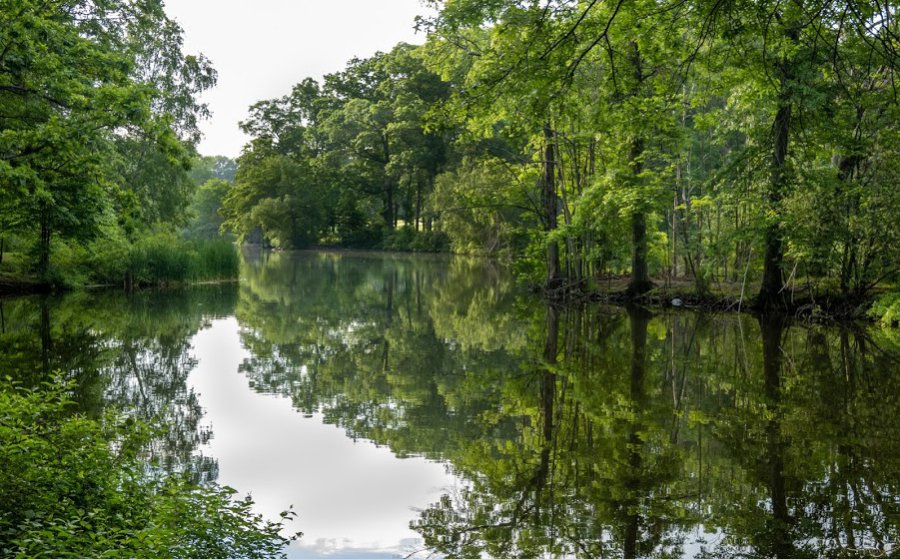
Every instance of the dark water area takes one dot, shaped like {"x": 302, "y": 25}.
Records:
{"x": 418, "y": 405}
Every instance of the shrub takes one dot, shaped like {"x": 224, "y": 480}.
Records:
{"x": 75, "y": 487}
{"x": 67, "y": 268}
{"x": 408, "y": 240}
{"x": 886, "y": 309}
{"x": 108, "y": 262}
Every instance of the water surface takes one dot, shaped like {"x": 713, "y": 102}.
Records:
{"x": 418, "y": 405}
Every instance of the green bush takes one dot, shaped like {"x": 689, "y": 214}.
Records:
{"x": 109, "y": 260}
{"x": 76, "y": 487}
{"x": 67, "y": 268}
{"x": 886, "y": 309}
{"x": 408, "y": 240}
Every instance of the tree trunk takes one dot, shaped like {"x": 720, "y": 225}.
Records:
{"x": 44, "y": 243}
{"x": 551, "y": 207}
{"x": 640, "y": 274}
{"x": 388, "y": 212}
{"x": 770, "y": 292}
{"x": 848, "y": 168}
{"x": 2, "y": 248}
{"x": 772, "y": 288}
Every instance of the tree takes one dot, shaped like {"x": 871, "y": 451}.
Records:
{"x": 362, "y": 137}
{"x": 77, "y": 80}
{"x": 793, "y": 54}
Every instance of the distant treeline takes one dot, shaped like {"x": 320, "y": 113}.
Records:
{"x": 751, "y": 142}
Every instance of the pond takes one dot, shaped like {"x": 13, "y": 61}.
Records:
{"x": 426, "y": 406}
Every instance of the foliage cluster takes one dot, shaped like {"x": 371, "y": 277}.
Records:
{"x": 161, "y": 258}
{"x": 886, "y": 309}
{"x": 709, "y": 142}
{"x": 345, "y": 161}
{"x": 97, "y": 140}
{"x": 73, "y": 486}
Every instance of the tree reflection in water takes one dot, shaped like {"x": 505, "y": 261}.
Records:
{"x": 584, "y": 431}
{"x": 593, "y": 432}
{"x": 129, "y": 352}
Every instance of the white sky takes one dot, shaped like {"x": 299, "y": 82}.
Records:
{"x": 263, "y": 47}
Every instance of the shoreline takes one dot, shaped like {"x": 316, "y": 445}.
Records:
{"x": 823, "y": 307}
{"x": 12, "y": 288}
{"x": 680, "y": 293}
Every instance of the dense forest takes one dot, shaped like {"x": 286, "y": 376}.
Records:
{"x": 750, "y": 144}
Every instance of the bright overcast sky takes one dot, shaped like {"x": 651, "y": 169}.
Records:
{"x": 262, "y": 47}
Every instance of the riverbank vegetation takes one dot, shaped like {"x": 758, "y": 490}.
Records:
{"x": 750, "y": 144}
{"x": 731, "y": 147}
{"x": 97, "y": 147}
{"x": 106, "y": 459}
{"x": 79, "y": 487}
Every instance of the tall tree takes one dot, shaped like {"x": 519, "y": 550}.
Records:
{"x": 77, "y": 78}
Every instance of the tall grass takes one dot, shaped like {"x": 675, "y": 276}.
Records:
{"x": 164, "y": 259}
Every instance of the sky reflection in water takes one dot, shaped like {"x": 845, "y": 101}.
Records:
{"x": 353, "y": 498}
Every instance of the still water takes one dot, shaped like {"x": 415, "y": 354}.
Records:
{"x": 413, "y": 406}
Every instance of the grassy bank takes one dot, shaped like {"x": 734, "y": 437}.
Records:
{"x": 157, "y": 260}
{"x": 165, "y": 261}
